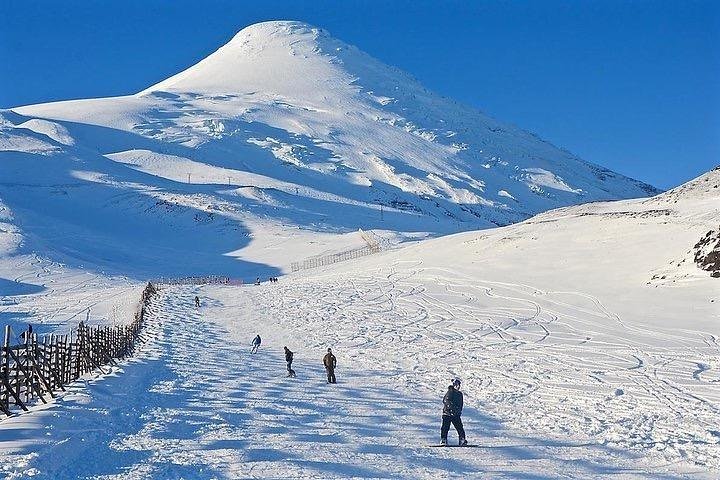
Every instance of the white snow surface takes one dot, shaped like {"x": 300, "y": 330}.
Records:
{"x": 586, "y": 336}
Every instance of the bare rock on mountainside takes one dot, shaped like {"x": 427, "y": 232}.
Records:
{"x": 707, "y": 253}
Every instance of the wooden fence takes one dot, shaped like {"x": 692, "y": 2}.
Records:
{"x": 205, "y": 280}
{"x": 38, "y": 367}
{"x": 334, "y": 258}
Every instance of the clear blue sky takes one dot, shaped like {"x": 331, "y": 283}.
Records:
{"x": 631, "y": 85}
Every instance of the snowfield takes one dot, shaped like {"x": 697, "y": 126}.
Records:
{"x": 570, "y": 370}
{"x": 586, "y": 335}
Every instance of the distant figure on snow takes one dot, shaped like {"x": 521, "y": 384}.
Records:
{"x": 256, "y": 344}
{"x": 257, "y": 281}
{"x": 330, "y": 363}
{"x": 197, "y": 301}
{"x": 289, "y": 359}
{"x": 452, "y": 410}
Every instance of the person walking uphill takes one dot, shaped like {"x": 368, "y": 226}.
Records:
{"x": 289, "y": 359}
{"x": 256, "y": 344}
{"x": 330, "y": 363}
{"x": 452, "y": 410}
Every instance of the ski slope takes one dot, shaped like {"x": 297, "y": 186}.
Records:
{"x": 586, "y": 338}
{"x": 586, "y": 335}
{"x": 239, "y": 416}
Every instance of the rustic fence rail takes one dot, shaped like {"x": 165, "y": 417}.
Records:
{"x": 204, "y": 280}
{"x": 41, "y": 366}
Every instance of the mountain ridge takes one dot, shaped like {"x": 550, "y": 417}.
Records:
{"x": 288, "y": 130}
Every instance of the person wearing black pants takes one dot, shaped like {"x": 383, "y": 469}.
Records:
{"x": 330, "y": 363}
{"x": 452, "y": 411}
{"x": 289, "y": 360}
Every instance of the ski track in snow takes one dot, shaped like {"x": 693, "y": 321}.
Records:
{"x": 555, "y": 362}
{"x": 543, "y": 400}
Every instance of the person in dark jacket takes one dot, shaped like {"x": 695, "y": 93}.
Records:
{"x": 330, "y": 363}
{"x": 452, "y": 410}
{"x": 256, "y": 344}
{"x": 197, "y": 301}
{"x": 289, "y": 360}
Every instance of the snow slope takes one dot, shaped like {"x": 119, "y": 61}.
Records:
{"x": 586, "y": 337}
{"x": 241, "y": 417}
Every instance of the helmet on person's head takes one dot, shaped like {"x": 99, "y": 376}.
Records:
{"x": 329, "y": 350}
{"x": 456, "y": 382}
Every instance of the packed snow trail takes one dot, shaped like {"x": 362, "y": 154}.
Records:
{"x": 196, "y": 405}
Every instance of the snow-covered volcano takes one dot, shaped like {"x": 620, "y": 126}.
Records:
{"x": 284, "y": 131}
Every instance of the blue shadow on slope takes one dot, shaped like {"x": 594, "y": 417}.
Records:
{"x": 14, "y": 288}
{"x": 123, "y": 228}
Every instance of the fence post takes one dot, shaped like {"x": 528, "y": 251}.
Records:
{"x": 79, "y": 348}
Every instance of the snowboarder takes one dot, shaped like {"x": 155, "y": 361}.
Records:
{"x": 197, "y": 301}
{"x": 256, "y": 344}
{"x": 452, "y": 410}
{"x": 289, "y": 359}
{"x": 330, "y": 363}
{"x": 257, "y": 281}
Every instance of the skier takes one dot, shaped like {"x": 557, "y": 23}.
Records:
{"x": 289, "y": 360}
{"x": 452, "y": 410}
{"x": 256, "y": 344}
{"x": 330, "y": 363}
{"x": 197, "y": 301}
